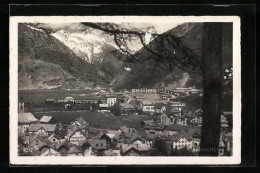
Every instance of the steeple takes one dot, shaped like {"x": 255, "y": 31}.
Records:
{"x": 21, "y": 105}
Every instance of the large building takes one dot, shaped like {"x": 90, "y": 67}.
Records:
{"x": 144, "y": 91}
{"x": 111, "y": 100}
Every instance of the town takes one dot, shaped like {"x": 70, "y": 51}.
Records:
{"x": 136, "y": 122}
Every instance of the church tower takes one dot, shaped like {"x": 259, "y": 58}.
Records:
{"x": 21, "y": 105}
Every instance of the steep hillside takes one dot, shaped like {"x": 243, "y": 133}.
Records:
{"x": 190, "y": 35}
{"x": 91, "y": 45}
{"x": 37, "y": 74}
{"x": 35, "y": 44}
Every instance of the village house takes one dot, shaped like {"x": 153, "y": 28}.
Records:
{"x": 176, "y": 107}
{"x": 50, "y": 152}
{"x": 189, "y": 90}
{"x": 104, "y": 108}
{"x": 24, "y": 121}
{"x": 75, "y": 150}
{"x": 111, "y": 137}
{"x": 144, "y": 91}
{"x": 54, "y": 138}
{"x": 81, "y": 124}
{"x": 126, "y": 130}
{"x": 76, "y": 137}
{"x": 165, "y": 119}
{"x": 111, "y": 152}
{"x": 38, "y": 141}
{"x": 127, "y": 109}
{"x": 196, "y": 142}
{"x": 181, "y": 121}
{"x": 98, "y": 146}
{"x": 111, "y": 100}
{"x": 181, "y": 140}
{"x": 135, "y": 150}
{"x": 86, "y": 147}
{"x": 154, "y": 129}
{"x": 47, "y": 120}
{"x": 159, "y": 108}
{"x": 147, "y": 107}
{"x": 196, "y": 120}
{"x": 63, "y": 147}
{"x": 42, "y": 129}
{"x": 136, "y": 139}
{"x": 46, "y": 146}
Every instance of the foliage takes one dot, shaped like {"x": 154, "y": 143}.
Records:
{"x": 116, "y": 109}
{"x": 160, "y": 146}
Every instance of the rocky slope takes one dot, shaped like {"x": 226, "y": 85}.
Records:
{"x": 43, "y": 58}
{"x": 75, "y": 56}
{"x": 190, "y": 35}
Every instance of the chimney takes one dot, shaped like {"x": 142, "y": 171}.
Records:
{"x": 136, "y": 145}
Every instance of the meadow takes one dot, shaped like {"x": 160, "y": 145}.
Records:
{"x": 98, "y": 119}
{"x": 39, "y": 96}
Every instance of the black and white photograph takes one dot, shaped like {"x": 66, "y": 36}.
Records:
{"x": 125, "y": 90}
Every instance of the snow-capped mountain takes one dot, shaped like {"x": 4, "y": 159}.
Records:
{"x": 86, "y": 44}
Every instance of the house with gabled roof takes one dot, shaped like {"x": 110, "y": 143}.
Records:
{"x": 181, "y": 121}
{"x": 24, "y": 121}
{"x": 128, "y": 109}
{"x": 50, "y": 152}
{"x": 110, "y": 136}
{"x": 147, "y": 106}
{"x": 134, "y": 150}
{"x": 136, "y": 139}
{"x": 159, "y": 108}
{"x": 104, "y": 108}
{"x": 54, "y": 138}
{"x": 98, "y": 146}
{"x": 111, "y": 152}
{"x": 75, "y": 151}
{"x": 46, "y": 119}
{"x": 82, "y": 124}
{"x": 182, "y": 139}
{"x": 195, "y": 120}
{"x": 64, "y": 147}
{"x": 196, "y": 142}
{"x": 38, "y": 141}
{"x": 77, "y": 136}
{"x": 42, "y": 129}
{"x": 126, "y": 130}
{"x": 166, "y": 119}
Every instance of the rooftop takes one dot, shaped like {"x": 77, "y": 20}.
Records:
{"x": 46, "y": 127}
{"x": 45, "y": 118}
{"x": 26, "y": 118}
{"x": 98, "y": 143}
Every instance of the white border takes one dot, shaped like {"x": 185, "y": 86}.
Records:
{"x": 21, "y": 160}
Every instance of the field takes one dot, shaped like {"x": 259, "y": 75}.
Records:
{"x": 98, "y": 119}
{"x": 39, "y": 96}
